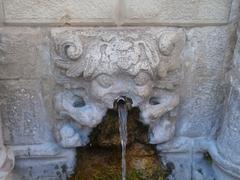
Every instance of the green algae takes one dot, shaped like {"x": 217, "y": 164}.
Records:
{"x": 101, "y": 160}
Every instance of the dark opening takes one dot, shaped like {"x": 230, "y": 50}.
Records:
{"x": 78, "y": 102}
{"x": 154, "y": 101}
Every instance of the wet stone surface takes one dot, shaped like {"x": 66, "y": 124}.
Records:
{"x": 102, "y": 158}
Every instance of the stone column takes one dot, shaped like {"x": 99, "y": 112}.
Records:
{"x": 228, "y": 142}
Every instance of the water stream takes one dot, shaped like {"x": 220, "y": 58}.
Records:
{"x": 122, "y": 114}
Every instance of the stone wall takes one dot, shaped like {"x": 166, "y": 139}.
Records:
{"x": 116, "y": 12}
{"x": 203, "y": 33}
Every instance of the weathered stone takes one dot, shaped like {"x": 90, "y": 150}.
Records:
{"x": 142, "y": 163}
{"x": 6, "y": 157}
{"x": 56, "y": 85}
{"x": 24, "y": 117}
{"x": 142, "y": 160}
{"x": 23, "y": 113}
{"x": 27, "y": 131}
{"x": 106, "y": 134}
{"x": 60, "y": 11}
{"x": 1, "y": 13}
{"x": 235, "y": 11}
{"x": 207, "y": 58}
{"x": 228, "y": 141}
{"x": 185, "y": 12}
{"x": 117, "y": 63}
{"x": 186, "y": 166}
{"x": 161, "y": 131}
{"x": 171, "y": 65}
{"x": 52, "y": 168}
{"x": 23, "y": 53}
{"x": 206, "y": 91}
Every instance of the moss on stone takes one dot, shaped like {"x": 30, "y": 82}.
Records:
{"x": 101, "y": 160}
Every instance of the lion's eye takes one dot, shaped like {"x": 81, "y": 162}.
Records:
{"x": 142, "y": 78}
{"x": 104, "y": 80}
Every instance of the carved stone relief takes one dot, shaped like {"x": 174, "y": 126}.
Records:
{"x": 93, "y": 68}
{"x": 175, "y": 76}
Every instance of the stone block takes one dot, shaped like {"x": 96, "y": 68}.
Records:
{"x": 207, "y": 57}
{"x": 235, "y": 10}
{"x": 185, "y": 12}
{"x": 23, "y": 53}
{"x": 180, "y": 163}
{"x": 60, "y": 11}
{"x": 22, "y": 113}
{"x": 26, "y": 124}
{"x": 58, "y": 167}
{"x": 228, "y": 141}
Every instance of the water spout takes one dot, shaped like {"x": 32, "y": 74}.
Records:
{"x": 122, "y": 104}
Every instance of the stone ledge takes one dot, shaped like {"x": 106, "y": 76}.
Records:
{"x": 60, "y": 11}
{"x": 183, "y": 12}
{"x": 115, "y": 12}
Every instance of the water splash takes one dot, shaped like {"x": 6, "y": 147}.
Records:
{"x": 122, "y": 114}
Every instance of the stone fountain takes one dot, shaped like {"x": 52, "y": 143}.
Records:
{"x": 113, "y": 64}
{"x": 116, "y": 64}
{"x": 177, "y": 63}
